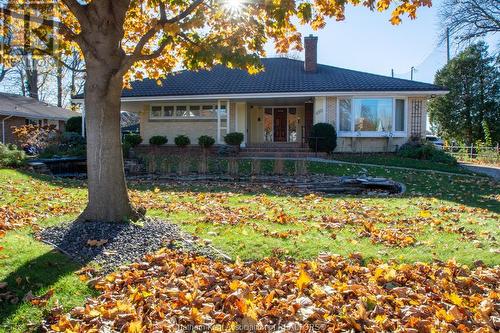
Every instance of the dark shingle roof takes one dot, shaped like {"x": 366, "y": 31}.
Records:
{"x": 280, "y": 75}
{"x": 27, "y": 107}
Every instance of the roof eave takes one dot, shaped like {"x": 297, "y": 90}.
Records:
{"x": 394, "y": 93}
{"x": 32, "y": 116}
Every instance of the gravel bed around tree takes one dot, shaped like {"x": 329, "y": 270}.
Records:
{"x": 110, "y": 245}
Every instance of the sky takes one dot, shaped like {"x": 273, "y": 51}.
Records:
{"x": 367, "y": 41}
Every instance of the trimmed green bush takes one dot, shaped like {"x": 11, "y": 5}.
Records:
{"x": 328, "y": 138}
{"x": 182, "y": 141}
{"x": 206, "y": 141}
{"x": 158, "y": 140}
{"x": 130, "y": 141}
{"x": 74, "y": 124}
{"x": 133, "y": 140}
{"x": 425, "y": 151}
{"x": 72, "y": 138}
{"x": 10, "y": 156}
{"x": 70, "y": 144}
{"x": 234, "y": 138}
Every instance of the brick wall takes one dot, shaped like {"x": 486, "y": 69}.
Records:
{"x": 193, "y": 150}
{"x": 311, "y": 53}
{"x": 9, "y": 124}
{"x": 331, "y": 110}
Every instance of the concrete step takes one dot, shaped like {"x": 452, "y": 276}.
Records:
{"x": 280, "y": 154}
{"x": 277, "y": 145}
{"x": 276, "y": 149}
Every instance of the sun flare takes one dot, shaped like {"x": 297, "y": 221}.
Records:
{"x": 234, "y": 6}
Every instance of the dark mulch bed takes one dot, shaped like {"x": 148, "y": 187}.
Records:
{"x": 110, "y": 245}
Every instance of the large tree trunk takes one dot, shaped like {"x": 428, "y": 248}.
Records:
{"x": 105, "y": 66}
{"x": 108, "y": 198}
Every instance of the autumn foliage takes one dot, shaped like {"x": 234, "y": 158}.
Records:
{"x": 37, "y": 137}
{"x": 171, "y": 292}
{"x": 160, "y": 35}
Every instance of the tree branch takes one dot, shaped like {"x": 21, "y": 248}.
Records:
{"x": 161, "y": 23}
{"x": 184, "y": 13}
{"x": 70, "y": 67}
{"x": 157, "y": 52}
{"x": 79, "y": 10}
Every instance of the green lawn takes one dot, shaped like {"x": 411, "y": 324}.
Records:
{"x": 30, "y": 266}
{"x": 393, "y": 160}
{"x": 441, "y": 216}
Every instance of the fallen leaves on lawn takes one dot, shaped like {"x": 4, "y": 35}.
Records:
{"x": 12, "y": 217}
{"x": 306, "y": 212}
{"x": 33, "y": 200}
{"x": 262, "y": 211}
{"x": 175, "y": 292}
{"x": 39, "y": 300}
{"x": 390, "y": 236}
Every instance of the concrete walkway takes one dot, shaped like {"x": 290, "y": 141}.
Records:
{"x": 489, "y": 170}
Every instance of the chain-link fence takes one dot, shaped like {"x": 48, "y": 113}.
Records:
{"x": 475, "y": 153}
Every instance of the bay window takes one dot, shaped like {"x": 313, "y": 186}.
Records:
{"x": 371, "y": 116}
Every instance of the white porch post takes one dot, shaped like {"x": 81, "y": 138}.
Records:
{"x": 228, "y": 111}
{"x": 218, "y": 122}
{"x": 240, "y": 120}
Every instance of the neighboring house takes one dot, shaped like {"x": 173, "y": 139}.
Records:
{"x": 18, "y": 110}
{"x": 278, "y": 106}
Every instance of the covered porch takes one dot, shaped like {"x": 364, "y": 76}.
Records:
{"x": 272, "y": 122}
{"x": 265, "y": 121}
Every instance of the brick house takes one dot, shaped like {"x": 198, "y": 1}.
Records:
{"x": 278, "y": 106}
{"x": 18, "y": 110}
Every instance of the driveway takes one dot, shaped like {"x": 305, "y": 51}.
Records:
{"x": 489, "y": 170}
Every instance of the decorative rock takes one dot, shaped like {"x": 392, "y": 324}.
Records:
{"x": 126, "y": 242}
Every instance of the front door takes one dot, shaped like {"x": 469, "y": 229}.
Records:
{"x": 280, "y": 124}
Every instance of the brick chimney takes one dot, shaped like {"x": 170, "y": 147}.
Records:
{"x": 311, "y": 53}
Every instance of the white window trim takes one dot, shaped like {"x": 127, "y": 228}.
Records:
{"x": 175, "y": 105}
{"x": 373, "y": 134}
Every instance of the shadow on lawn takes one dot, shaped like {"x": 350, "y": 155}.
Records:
{"x": 477, "y": 192}
{"x": 35, "y": 276}
{"x": 56, "y": 181}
